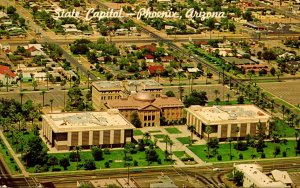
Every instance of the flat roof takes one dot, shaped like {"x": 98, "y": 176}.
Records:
{"x": 130, "y": 85}
{"x": 260, "y": 179}
{"x": 224, "y": 114}
{"x": 85, "y": 121}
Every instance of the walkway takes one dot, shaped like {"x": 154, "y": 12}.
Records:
{"x": 177, "y": 146}
{"x": 14, "y": 155}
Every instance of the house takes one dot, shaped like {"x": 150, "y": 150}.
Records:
{"x": 224, "y": 120}
{"x": 35, "y": 49}
{"x": 26, "y": 77}
{"x": 64, "y": 131}
{"x": 149, "y": 58}
{"x": 6, "y": 75}
{"x": 167, "y": 58}
{"x": 4, "y": 47}
{"x": 153, "y": 70}
{"x": 40, "y": 76}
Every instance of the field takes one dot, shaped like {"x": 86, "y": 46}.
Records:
{"x": 224, "y": 150}
{"x": 288, "y": 90}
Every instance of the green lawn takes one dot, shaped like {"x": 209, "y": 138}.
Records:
{"x": 173, "y": 130}
{"x": 179, "y": 154}
{"x": 184, "y": 140}
{"x": 211, "y": 103}
{"x": 158, "y": 136}
{"x": 154, "y": 131}
{"x": 115, "y": 158}
{"x": 284, "y": 129}
{"x": 224, "y": 149}
{"x": 137, "y": 132}
{"x": 8, "y": 158}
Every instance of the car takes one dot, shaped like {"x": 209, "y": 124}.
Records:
{"x": 216, "y": 169}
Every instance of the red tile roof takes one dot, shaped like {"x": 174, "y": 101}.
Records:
{"x": 31, "y": 49}
{"x": 149, "y": 56}
{"x": 167, "y": 58}
{"x": 5, "y": 69}
{"x": 155, "y": 68}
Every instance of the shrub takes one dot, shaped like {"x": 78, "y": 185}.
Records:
{"x": 97, "y": 153}
{"x": 106, "y": 151}
{"x": 187, "y": 159}
{"x": 135, "y": 163}
{"x": 106, "y": 164}
{"x": 284, "y": 154}
{"x": 74, "y": 157}
{"x": 241, "y": 156}
{"x": 158, "y": 161}
{"x": 241, "y": 146}
{"x": 219, "y": 157}
{"x": 56, "y": 169}
{"x": 263, "y": 155}
{"x": 89, "y": 164}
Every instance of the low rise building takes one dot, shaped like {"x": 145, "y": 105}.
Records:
{"x": 235, "y": 121}
{"x": 64, "y": 131}
{"x": 253, "y": 177}
{"x": 149, "y": 109}
{"x": 103, "y": 91}
{"x": 6, "y": 75}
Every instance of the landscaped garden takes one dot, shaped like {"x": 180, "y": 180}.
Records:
{"x": 137, "y": 133}
{"x": 222, "y": 152}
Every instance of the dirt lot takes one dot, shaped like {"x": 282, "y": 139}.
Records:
{"x": 288, "y": 90}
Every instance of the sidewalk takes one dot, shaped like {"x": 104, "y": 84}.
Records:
{"x": 14, "y": 155}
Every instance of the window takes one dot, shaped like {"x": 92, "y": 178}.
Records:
{"x": 149, "y": 118}
{"x": 145, "y": 118}
{"x": 153, "y": 118}
{"x": 152, "y": 124}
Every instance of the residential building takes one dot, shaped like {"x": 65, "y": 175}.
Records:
{"x": 6, "y": 75}
{"x": 149, "y": 109}
{"x": 235, "y": 121}
{"x": 64, "y": 131}
{"x": 103, "y": 91}
{"x": 253, "y": 177}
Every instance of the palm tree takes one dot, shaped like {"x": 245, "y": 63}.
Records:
{"x": 192, "y": 129}
{"x": 166, "y": 140}
{"x": 171, "y": 143}
{"x": 216, "y": 92}
{"x": 228, "y": 97}
{"x": 47, "y": 77}
{"x": 6, "y": 76}
{"x": 43, "y": 94}
{"x": 229, "y": 140}
{"x": 21, "y": 98}
{"x": 208, "y": 131}
{"x": 21, "y": 78}
{"x": 77, "y": 150}
{"x": 146, "y": 136}
{"x": 51, "y": 104}
{"x": 34, "y": 84}
{"x": 282, "y": 110}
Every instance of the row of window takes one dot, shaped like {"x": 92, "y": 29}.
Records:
{"x": 109, "y": 97}
{"x": 149, "y": 118}
{"x": 149, "y": 124}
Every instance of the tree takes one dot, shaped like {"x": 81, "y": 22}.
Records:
{"x": 64, "y": 162}
{"x": 195, "y": 98}
{"x": 21, "y": 98}
{"x": 208, "y": 131}
{"x": 53, "y": 161}
{"x": 192, "y": 129}
{"x": 240, "y": 100}
{"x": 166, "y": 139}
{"x": 146, "y": 136}
{"x": 43, "y": 94}
{"x": 228, "y": 97}
{"x": 77, "y": 150}
{"x": 34, "y": 84}
{"x": 229, "y": 140}
{"x": 35, "y": 154}
{"x": 51, "y": 104}
{"x": 10, "y": 10}
{"x": 135, "y": 120}
{"x": 89, "y": 164}
{"x": 170, "y": 94}
{"x": 238, "y": 177}
{"x": 97, "y": 153}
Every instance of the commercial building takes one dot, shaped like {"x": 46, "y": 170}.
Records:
{"x": 149, "y": 109}
{"x": 253, "y": 177}
{"x": 106, "y": 129}
{"x": 235, "y": 121}
{"x": 104, "y": 91}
